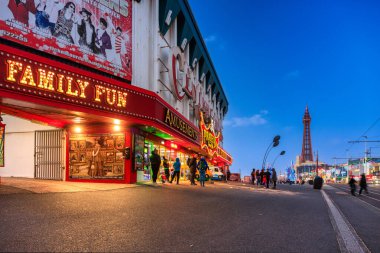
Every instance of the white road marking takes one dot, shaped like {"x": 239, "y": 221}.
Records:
{"x": 348, "y": 240}
{"x": 365, "y": 202}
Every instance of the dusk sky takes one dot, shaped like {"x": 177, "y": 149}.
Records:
{"x": 275, "y": 57}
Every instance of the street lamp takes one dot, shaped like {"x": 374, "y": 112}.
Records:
{"x": 275, "y": 142}
{"x": 365, "y": 154}
{"x": 282, "y": 153}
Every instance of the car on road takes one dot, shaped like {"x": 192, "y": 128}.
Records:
{"x": 213, "y": 173}
{"x": 216, "y": 173}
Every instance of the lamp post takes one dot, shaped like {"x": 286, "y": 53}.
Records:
{"x": 275, "y": 142}
{"x": 282, "y": 153}
{"x": 365, "y": 155}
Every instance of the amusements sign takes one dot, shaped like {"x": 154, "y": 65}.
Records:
{"x": 97, "y": 33}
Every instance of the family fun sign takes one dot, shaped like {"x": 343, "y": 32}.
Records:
{"x": 42, "y": 80}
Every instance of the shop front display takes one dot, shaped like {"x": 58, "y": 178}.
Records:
{"x": 96, "y": 156}
{"x": 143, "y": 148}
{"x": 60, "y": 81}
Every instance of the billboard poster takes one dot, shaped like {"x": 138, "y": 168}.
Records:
{"x": 96, "y": 33}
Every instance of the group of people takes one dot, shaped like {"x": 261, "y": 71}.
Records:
{"x": 60, "y": 21}
{"x": 264, "y": 177}
{"x": 193, "y": 163}
{"x": 362, "y": 184}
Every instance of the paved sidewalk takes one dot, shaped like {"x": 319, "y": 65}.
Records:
{"x": 10, "y": 185}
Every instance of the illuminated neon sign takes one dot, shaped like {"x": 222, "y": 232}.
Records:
{"x": 209, "y": 140}
{"x": 176, "y": 122}
{"x": 62, "y": 83}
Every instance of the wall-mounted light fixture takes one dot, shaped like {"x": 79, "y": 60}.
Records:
{"x": 183, "y": 44}
{"x": 195, "y": 61}
{"x": 78, "y": 129}
{"x": 168, "y": 17}
{"x": 203, "y": 77}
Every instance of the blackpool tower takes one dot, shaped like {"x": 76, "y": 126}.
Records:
{"x": 307, "y": 152}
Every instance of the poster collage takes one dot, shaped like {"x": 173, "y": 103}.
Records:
{"x": 96, "y": 156}
{"x": 96, "y": 33}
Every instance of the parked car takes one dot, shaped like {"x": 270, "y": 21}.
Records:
{"x": 216, "y": 173}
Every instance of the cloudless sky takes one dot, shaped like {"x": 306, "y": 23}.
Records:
{"x": 274, "y": 57}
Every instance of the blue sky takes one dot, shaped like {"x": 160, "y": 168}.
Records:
{"x": 275, "y": 57}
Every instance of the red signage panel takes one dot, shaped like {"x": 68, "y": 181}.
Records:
{"x": 47, "y": 82}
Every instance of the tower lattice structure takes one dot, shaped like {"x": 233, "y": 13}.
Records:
{"x": 307, "y": 152}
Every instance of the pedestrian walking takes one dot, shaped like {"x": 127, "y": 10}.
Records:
{"x": 262, "y": 175}
{"x": 258, "y": 178}
{"x": 155, "y": 162}
{"x": 253, "y": 175}
{"x": 193, "y": 168}
{"x": 228, "y": 174}
{"x": 202, "y": 167}
{"x": 267, "y": 177}
{"x": 352, "y": 184}
{"x": 363, "y": 184}
{"x": 165, "y": 163}
{"x": 177, "y": 170}
{"x": 274, "y": 178}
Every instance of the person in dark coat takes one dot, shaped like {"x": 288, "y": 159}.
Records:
{"x": 155, "y": 162}
{"x": 363, "y": 184}
{"x": 267, "y": 177}
{"x": 258, "y": 178}
{"x": 86, "y": 31}
{"x": 103, "y": 40}
{"x": 165, "y": 163}
{"x": 228, "y": 174}
{"x": 202, "y": 167}
{"x": 352, "y": 184}
{"x": 262, "y": 176}
{"x": 193, "y": 168}
{"x": 253, "y": 175}
{"x": 274, "y": 178}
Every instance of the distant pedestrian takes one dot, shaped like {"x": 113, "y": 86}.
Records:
{"x": 165, "y": 163}
{"x": 267, "y": 177}
{"x": 155, "y": 162}
{"x": 193, "y": 168}
{"x": 274, "y": 178}
{"x": 253, "y": 175}
{"x": 363, "y": 184}
{"x": 262, "y": 176}
{"x": 352, "y": 184}
{"x": 228, "y": 174}
{"x": 177, "y": 170}
{"x": 258, "y": 178}
{"x": 202, "y": 167}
